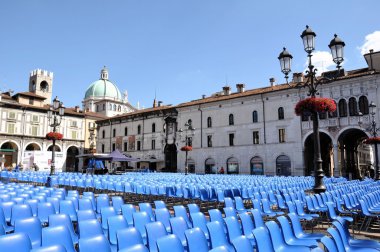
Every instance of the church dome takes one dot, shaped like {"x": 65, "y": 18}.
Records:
{"x": 103, "y": 88}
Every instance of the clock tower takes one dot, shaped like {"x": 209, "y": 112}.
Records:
{"x": 41, "y": 83}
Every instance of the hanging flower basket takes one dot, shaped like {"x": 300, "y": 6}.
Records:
{"x": 309, "y": 105}
{"x": 372, "y": 140}
{"x": 186, "y": 148}
{"x": 54, "y": 136}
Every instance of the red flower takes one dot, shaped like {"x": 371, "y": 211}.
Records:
{"x": 186, "y": 148}
{"x": 316, "y": 104}
{"x": 54, "y": 136}
{"x": 372, "y": 140}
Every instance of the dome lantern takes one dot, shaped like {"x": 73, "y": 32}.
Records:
{"x": 104, "y": 73}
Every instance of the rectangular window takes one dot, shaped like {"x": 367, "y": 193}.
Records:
{"x": 34, "y": 130}
{"x": 74, "y": 134}
{"x": 138, "y": 145}
{"x": 256, "y": 139}
{"x": 31, "y": 101}
{"x": 209, "y": 141}
{"x": 153, "y": 144}
{"x": 74, "y": 124}
{"x": 11, "y": 115}
{"x": 231, "y": 138}
{"x": 125, "y": 131}
{"x": 11, "y": 128}
{"x": 125, "y": 146}
{"x": 35, "y": 118}
{"x": 281, "y": 135}
{"x": 113, "y": 147}
{"x": 102, "y": 148}
{"x": 190, "y": 141}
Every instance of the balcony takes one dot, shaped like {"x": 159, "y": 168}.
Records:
{"x": 337, "y": 122}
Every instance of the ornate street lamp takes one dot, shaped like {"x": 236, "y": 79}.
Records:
{"x": 312, "y": 82}
{"x": 54, "y": 115}
{"x": 372, "y": 129}
{"x": 189, "y": 133}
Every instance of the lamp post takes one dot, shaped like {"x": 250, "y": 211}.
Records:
{"x": 54, "y": 115}
{"x": 372, "y": 129}
{"x": 312, "y": 82}
{"x": 189, "y": 133}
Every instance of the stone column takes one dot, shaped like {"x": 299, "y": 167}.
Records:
{"x": 337, "y": 171}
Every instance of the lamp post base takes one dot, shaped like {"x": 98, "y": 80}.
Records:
{"x": 319, "y": 189}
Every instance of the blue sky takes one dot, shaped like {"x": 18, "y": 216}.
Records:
{"x": 179, "y": 49}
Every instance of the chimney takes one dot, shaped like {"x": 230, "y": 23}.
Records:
{"x": 373, "y": 60}
{"x": 159, "y": 103}
{"x": 272, "y": 81}
{"x": 240, "y": 87}
{"x": 297, "y": 77}
{"x": 203, "y": 96}
{"x": 226, "y": 90}
{"x": 76, "y": 109}
{"x": 154, "y": 103}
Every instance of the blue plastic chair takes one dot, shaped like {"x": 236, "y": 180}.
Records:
{"x": 257, "y": 218}
{"x": 178, "y": 226}
{"x": 55, "y": 202}
{"x": 233, "y": 228}
{"x": 329, "y": 244}
{"x": 278, "y": 239}
{"x": 102, "y": 201}
{"x": 217, "y": 236}
{"x": 159, "y": 204}
{"x": 4, "y": 223}
{"x": 31, "y": 227}
{"x": 169, "y": 243}
{"x": 199, "y": 220}
{"x": 96, "y": 243}
{"x": 163, "y": 216}
{"x": 193, "y": 208}
{"x": 67, "y": 207}
{"x": 85, "y": 204}
{"x": 115, "y": 223}
{"x": 216, "y": 215}
{"x": 242, "y": 244}
{"x": 33, "y": 205}
{"x": 263, "y": 240}
{"x": 89, "y": 228}
{"x": 298, "y": 231}
{"x": 127, "y": 238}
{"x": 127, "y": 211}
{"x": 45, "y": 209}
{"x": 21, "y": 211}
{"x": 147, "y": 207}
{"x": 196, "y": 240}
{"x": 180, "y": 211}
{"x": 136, "y": 248}
{"x": 139, "y": 221}
{"x": 117, "y": 202}
{"x": 247, "y": 226}
{"x": 331, "y": 213}
{"x": 154, "y": 231}
{"x": 229, "y": 211}
{"x": 63, "y": 220}
{"x": 106, "y": 212}
{"x": 54, "y": 248}
{"x": 86, "y": 215}
{"x": 59, "y": 235}
{"x": 15, "y": 242}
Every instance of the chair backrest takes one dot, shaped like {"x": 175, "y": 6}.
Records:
{"x": 115, "y": 223}
{"x": 275, "y": 234}
{"x": 67, "y": 207}
{"x": 53, "y": 248}
{"x": 215, "y": 215}
{"x": 147, "y": 207}
{"x": 85, "y": 204}
{"x": 336, "y": 237}
{"x": 55, "y": 202}
{"x": 331, "y": 210}
{"x": 117, "y": 202}
{"x": 106, "y": 212}
{"x": 154, "y": 230}
{"x": 242, "y": 244}
{"x": 57, "y": 236}
{"x": 127, "y": 211}
{"x": 257, "y": 218}
{"x": 21, "y": 211}
{"x": 86, "y": 215}
{"x": 228, "y": 202}
{"x": 296, "y": 224}
{"x": 239, "y": 204}
{"x": 89, "y": 228}
{"x": 169, "y": 243}
{"x": 33, "y": 205}
{"x": 286, "y": 228}
{"x": 199, "y": 220}
{"x": 230, "y": 211}
{"x": 63, "y": 220}
{"x": 102, "y": 201}
{"x": 45, "y": 209}
{"x": 163, "y": 216}
{"x": 217, "y": 235}
{"x": 329, "y": 244}
{"x": 15, "y": 242}
{"x": 193, "y": 208}
{"x": 139, "y": 221}
{"x": 178, "y": 226}
{"x": 247, "y": 224}
{"x": 233, "y": 228}
{"x": 196, "y": 240}
{"x": 7, "y": 209}
{"x": 180, "y": 211}
{"x": 263, "y": 240}
{"x": 31, "y": 227}
{"x": 96, "y": 243}
{"x": 128, "y": 237}
{"x": 159, "y": 204}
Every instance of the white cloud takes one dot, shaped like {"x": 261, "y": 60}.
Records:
{"x": 372, "y": 41}
{"x": 322, "y": 60}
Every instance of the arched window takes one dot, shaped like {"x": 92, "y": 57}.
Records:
{"x": 280, "y": 113}
{"x": 114, "y": 107}
{"x": 254, "y": 116}
{"x": 103, "y": 134}
{"x": 333, "y": 114}
{"x": 232, "y": 166}
{"x": 119, "y": 108}
{"x": 257, "y": 166}
{"x": 342, "y": 108}
{"x": 139, "y": 129}
{"x": 363, "y": 105}
{"x": 352, "y": 106}
{"x": 283, "y": 165}
{"x": 97, "y": 108}
{"x": 126, "y": 131}
{"x": 210, "y": 167}
{"x": 153, "y": 127}
{"x": 104, "y": 106}
{"x": 110, "y": 106}
{"x": 231, "y": 119}
{"x": 209, "y": 122}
